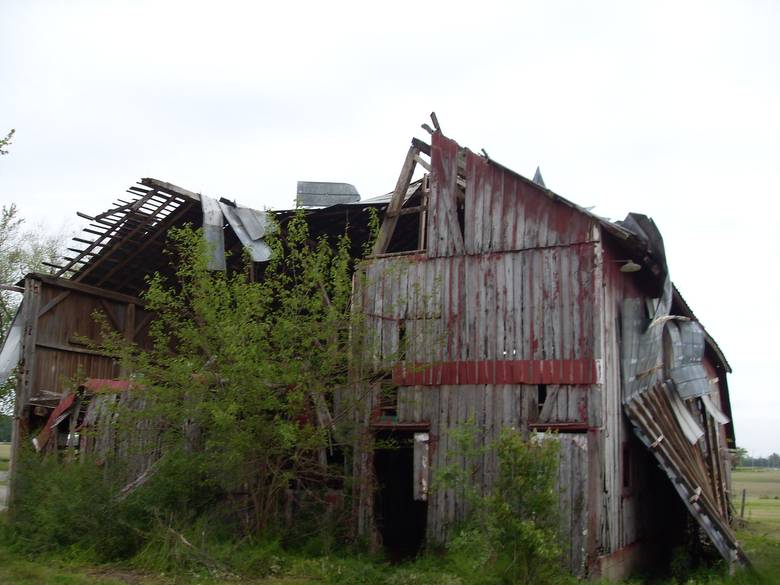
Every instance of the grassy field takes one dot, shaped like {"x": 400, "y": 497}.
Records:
{"x": 759, "y": 535}
{"x": 762, "y": 487}
{"x": 5, "y": 454}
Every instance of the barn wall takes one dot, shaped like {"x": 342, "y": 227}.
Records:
{"x": 630, "y": 484}
{"x": 57, "y": 350}
{"x": 499, "y": 311}
{"x": 503, "y": 211}
{"x": 716, "y": 372}
{"x": 64, "y": 324}
{"x": 526, "y": 305}
{"x": 620, "y": 524}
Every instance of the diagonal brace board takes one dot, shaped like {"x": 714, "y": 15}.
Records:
{"x": 396, "y": 202}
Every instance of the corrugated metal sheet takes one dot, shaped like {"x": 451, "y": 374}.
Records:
{"x": 686, "y": 440}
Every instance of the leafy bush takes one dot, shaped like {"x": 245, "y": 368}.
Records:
{"x": 240, "y": 374}
{"x": 69, "y": 506}
{"x": 511, "y": 536}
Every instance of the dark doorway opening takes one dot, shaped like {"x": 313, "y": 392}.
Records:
{"x": 399, "y": 517}
{"x": 666, "y": 525}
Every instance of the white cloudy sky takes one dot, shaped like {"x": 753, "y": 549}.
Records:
{"x": 670, "y": 108}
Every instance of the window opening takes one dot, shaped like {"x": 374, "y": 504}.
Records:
{"x": 541, "y": 396}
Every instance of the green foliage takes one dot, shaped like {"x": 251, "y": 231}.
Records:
{"x": 6, "y": 424}
{"x": 5, "y": 141}
{"x": 236, "y": 388}
{"x": 512, "y": 534}
{"x": 240, "y": 374}
{"x": 21, "y": 251}
{"x": 69, "y": 507}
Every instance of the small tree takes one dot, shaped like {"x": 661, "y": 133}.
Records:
{"x": 511, "y": 536}
{"x": 4, "y": 142}
{"x": 240, "y": 374}
{"x": 739, "y": 457}
{"x": 21, "y": 251}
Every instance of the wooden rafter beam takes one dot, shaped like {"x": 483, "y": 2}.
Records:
{"x": 396, "y": 202}
{"x": 161, "y": 229}
{"x": 141, "y": 223}
{"x": 66, "y": 283}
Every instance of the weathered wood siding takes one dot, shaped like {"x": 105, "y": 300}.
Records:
{"x": 64, "y": 326}
{"x": 502, "y": 309}
{"x": 621, "y": 517}
{"x": 619, "y": 521}
{"x": 526, "y": 305}
{"x": 503, "y": 211}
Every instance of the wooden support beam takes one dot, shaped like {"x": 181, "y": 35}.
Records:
{"x": 12, "y": 288}
{"x": 53, "y": 303}
{"x": 130, "y": 322}
{"x": 396, "y": 202}
{"x": 142, "y": 323}
{"x": 425, "y": 190}
{"x": 85, "y": 288}
{"x": 109, "y": 310}
{"x": 160, "y": 230}
{"x": 423, "y": 147}
{"x": 435, "y": 121}
{"x": 70, "y": 348}
{"x": 170, "y": 188}
{"x": 407, "y": 211}
{"x": 423, "y": 163}
{"x": 55, "y": 266}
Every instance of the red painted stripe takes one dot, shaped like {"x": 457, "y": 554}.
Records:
{"x": 578, "y": 371}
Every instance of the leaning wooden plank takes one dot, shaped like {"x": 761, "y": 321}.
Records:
{"x": 497, "y": 215}
{"x": 396, "y": 202}
{"x": 470, "y": 205}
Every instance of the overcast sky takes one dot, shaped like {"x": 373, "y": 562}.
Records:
{"x": 666, "y": 108}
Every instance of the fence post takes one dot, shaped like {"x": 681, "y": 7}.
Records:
{"x": 742, "y": 507}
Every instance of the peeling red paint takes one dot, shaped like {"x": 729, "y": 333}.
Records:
{"x": 579, "y": 371}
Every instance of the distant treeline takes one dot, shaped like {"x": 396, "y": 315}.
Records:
{"x": 772, "y": 461}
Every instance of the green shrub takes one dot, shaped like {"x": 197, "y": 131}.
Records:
{"x": 511, "y": 536}
{"x": 68, "y": 506}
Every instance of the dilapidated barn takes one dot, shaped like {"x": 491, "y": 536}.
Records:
{"x": 488, "y": 298}
{"x": 493, "y": 300}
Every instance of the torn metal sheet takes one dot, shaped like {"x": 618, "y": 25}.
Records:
{"x": 213, "y": 232}
{"x": 56, "y": 417}
{"x": 693, "y": 432}
{"x": 11, "y": 352}
{"x": 256, "y": 223}
{"x": 651, "y": 414}
{"x": 655, "y": 383}
{"x": 250, "y": 226}
{"x": 714, "y": 411}
{"x": 324, "y": 194}
{"x": 687, "y": 371}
